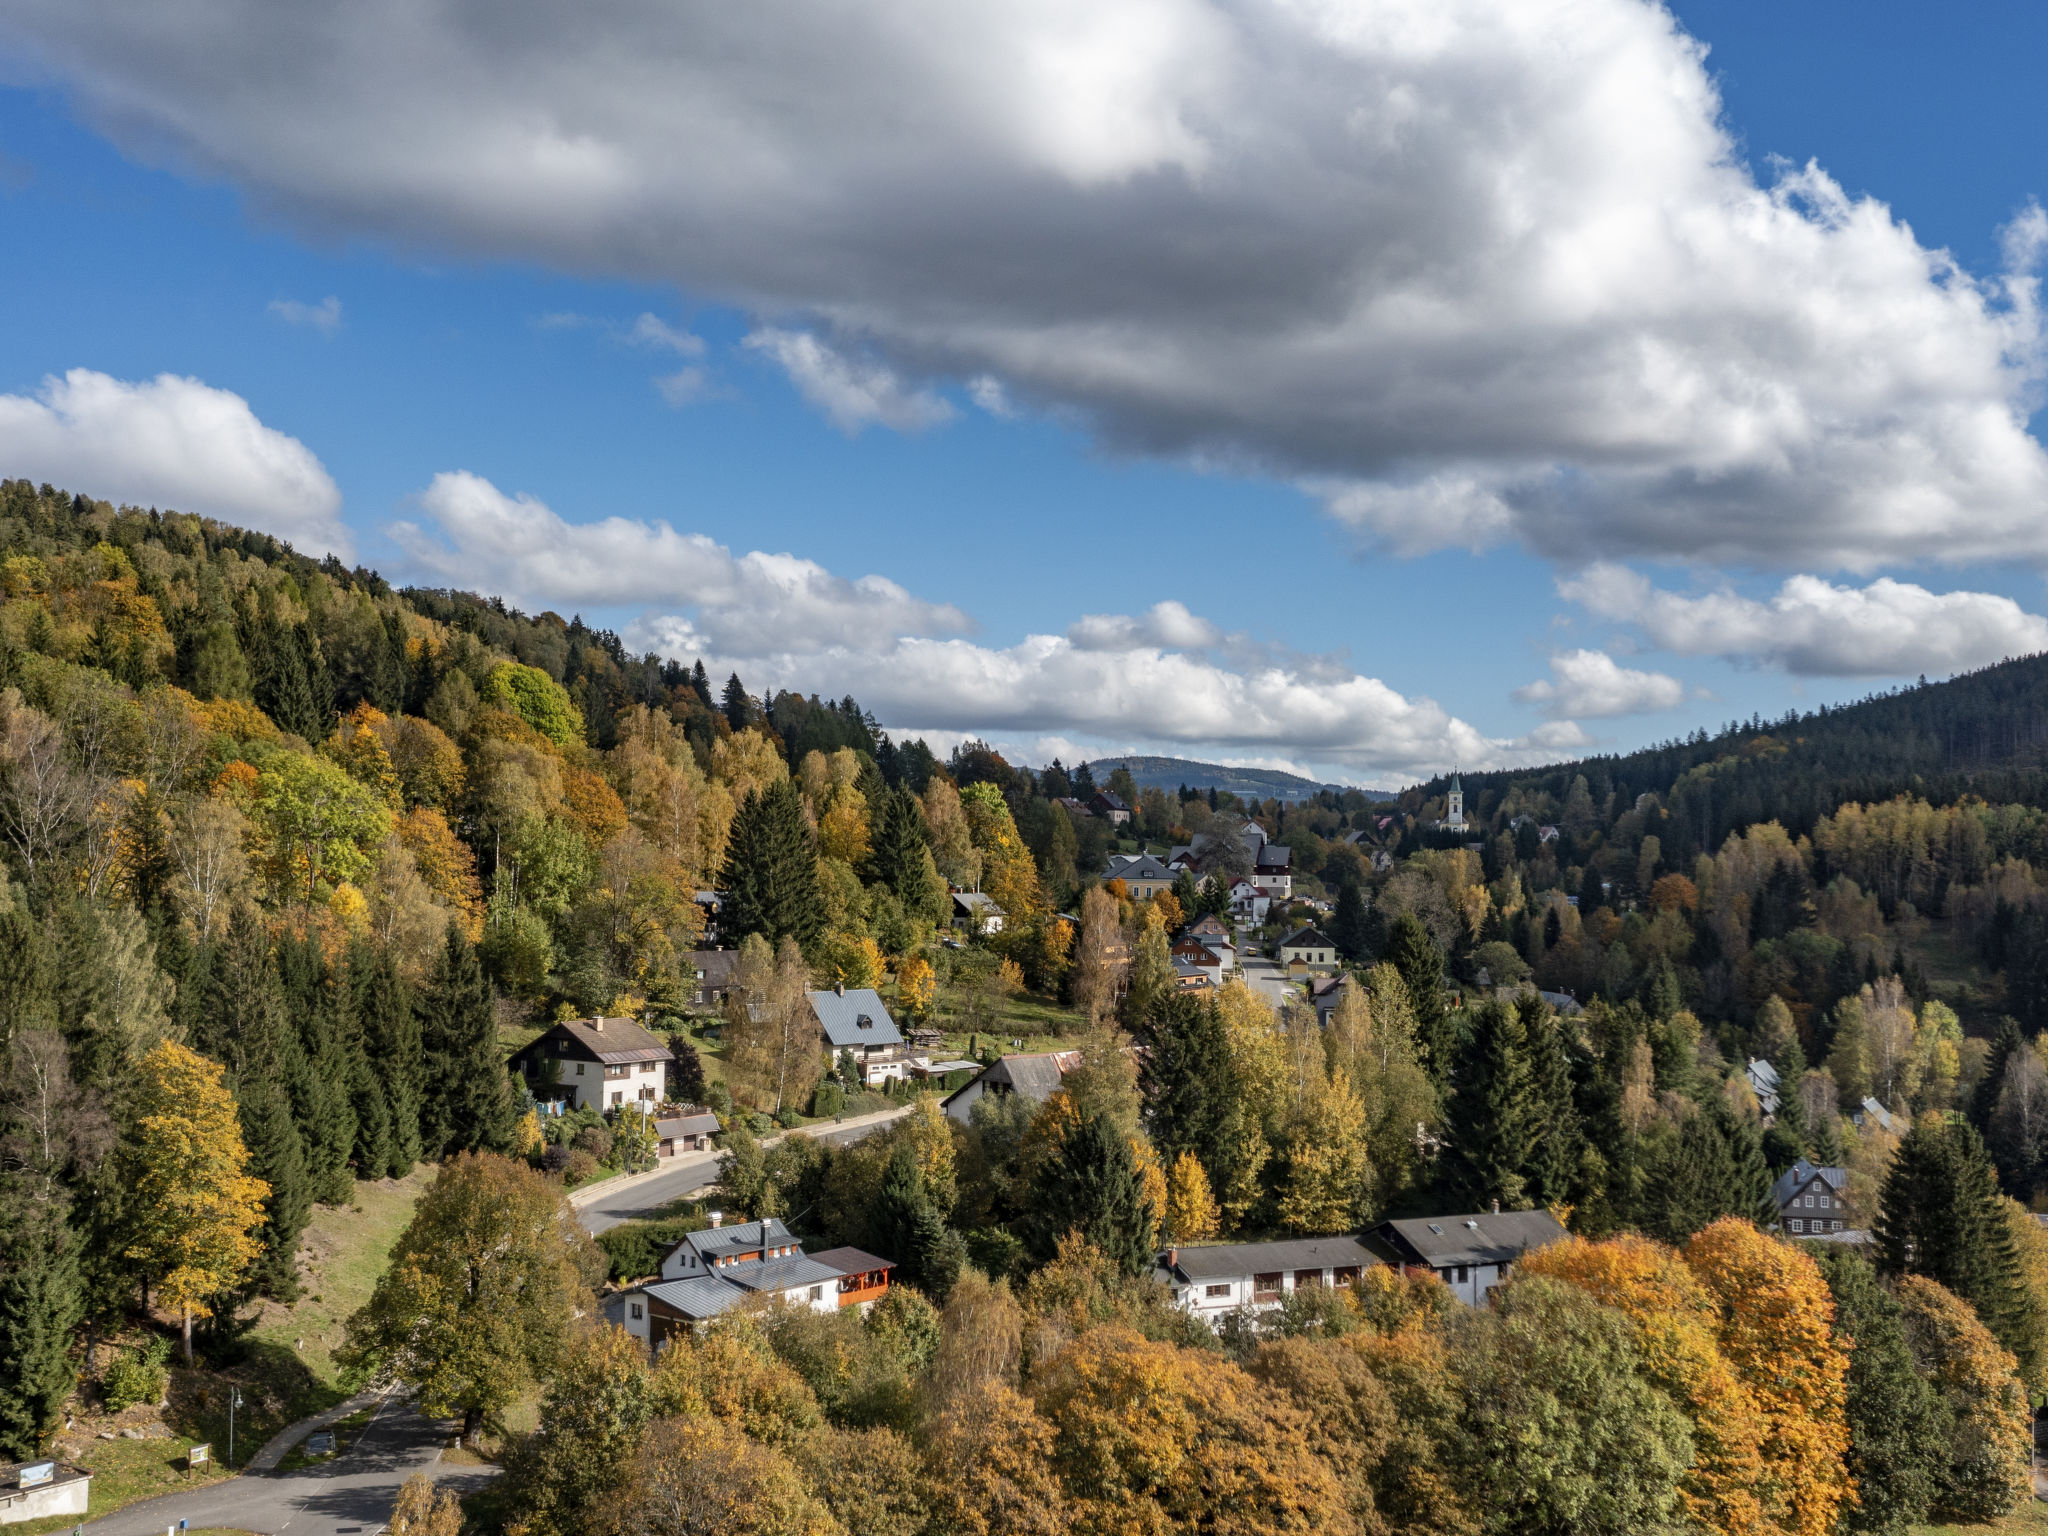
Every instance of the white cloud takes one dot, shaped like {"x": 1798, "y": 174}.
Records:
{"x": 517, "y": 545}
{"x": 653, "y": 331}
{"x": 172, "y": 443}
{"x": 324, "y": 317}
{"x": 686, "y": 386}
{"x": 1594, "y": 686}
{"x": 1815, "y": 628}
{"x": 1479, "y": 271}
{"x": 987, "y": 392}
{"x": 853, "y": 394}
{"x": 1167, "y": 625}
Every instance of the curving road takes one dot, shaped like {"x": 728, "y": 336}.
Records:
{"x": 349, "y": 1496}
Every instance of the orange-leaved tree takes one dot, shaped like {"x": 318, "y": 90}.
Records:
{"x": 1985, "y": 1468}
{"x": 1777, "y": 1331}
{"x": 1678, "y": 1322}
{"x": 192, "y": 1210}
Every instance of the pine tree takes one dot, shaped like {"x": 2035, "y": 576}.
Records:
{"x": 771, "y": 870}
{"x": 1092, "y": 1187}
{"x": 392, "y": 1054}
{"x": 468, "y": 1100}
{"x": 895, "y": 857}
{"x": 321, "y": 1089}
{"x": 700, "y": 683}
{"x": 46, "y": 1132}
{"x": 1559, "y": 1151}
{"x": 1495, "y": 1119}
{"x": 1412, "y": 952}
{"x": 686, "y": 1072}
{"x": 1939, "y": 1215}
{"x": 290, "y": 691}
{"x": 739, "y": 709}
{"x": 1186, "y": 1077}
{"x": 1897, "y": 1422}
{"x": 1349, "y": 929}
{"x": 1984, "y": 1101}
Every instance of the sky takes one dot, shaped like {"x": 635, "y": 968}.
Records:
{"x": 1365, "y": 387}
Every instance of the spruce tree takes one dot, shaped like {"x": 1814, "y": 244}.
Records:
{"x": 390, "y": 1030}
{"x": 896, "y": 856}
{"x": 1898, "y": 1424}
{"x": 1984, "y": 1100}
{"x": 321, "y": 1087}
{"x": 1495, "y": 1120}
{"x": 1185, "y": 1075}
{"x": 686, "y": 1072}
{"x": 739, "y": 709}
{"x": 1560, "y": 1145}
{"x": 771, "y": 870}
{"x": 468, "y": 1101}
{"x": 700, "y": 684}
{"x": 1412, "y": 952}
{"x": 1940, "y": 1215}
{"x": 47, "y": 1127}
{"x": 1349, "y": 929}
{"x": 1092, "y": 1187}
{"x": 27, "y": 991}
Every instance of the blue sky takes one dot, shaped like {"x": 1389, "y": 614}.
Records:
{"x": 1142, "y": 451}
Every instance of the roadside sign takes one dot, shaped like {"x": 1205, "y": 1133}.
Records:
{"x": 321, "y": 1444}
{"x": 38, "y": 1473}
{"x": 199, "y": 1455}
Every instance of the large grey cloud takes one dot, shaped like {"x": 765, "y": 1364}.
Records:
{"x": 1472, "y": 271}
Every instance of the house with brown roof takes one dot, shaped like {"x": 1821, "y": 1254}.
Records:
{"x": 690, "y": 1131}
{"x": 595, "y": 1063}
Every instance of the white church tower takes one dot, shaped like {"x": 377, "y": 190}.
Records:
{"x": 1454, "y": 805}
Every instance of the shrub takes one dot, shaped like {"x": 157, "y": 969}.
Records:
{"x": 581, "y": 1165}
{"x": 555, "y": 1159}
{"x": 594, "y": 1139}
{"x": 830, "y": 1099}
{"x": 137, "y": 1377}
{"x": 635, "y": 1248}
{"x": 788, "y": 1118}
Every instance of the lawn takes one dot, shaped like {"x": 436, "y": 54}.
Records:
{"x": 2031, "y": 1520}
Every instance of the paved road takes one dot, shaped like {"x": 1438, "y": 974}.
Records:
{"x": 636, "y": 1199}
{"x": 1265, "y": 977}
{"x": 353, "y": 1494}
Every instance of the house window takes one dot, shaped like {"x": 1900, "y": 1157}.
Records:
{"x": 1217, "y": 1292}
{"x": 1464, "y": 1273}
{"x": 1264, "y": 1286}
{"x": 618, "y": 1098}
{"x": 579, "y": 1069}
{"x": 1834, "y": 1226}
{"x": 1809, "y": 1202}
{"x": 1307, "y": 1277}
{"x": 636, "y": 1312}
{"x": 817, "y": 1293}
{"x": 1798, "y": 1225}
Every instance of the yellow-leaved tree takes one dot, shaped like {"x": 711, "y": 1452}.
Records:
{"x": 192, "y": 1210}
{"x": 1191, "y": 1214}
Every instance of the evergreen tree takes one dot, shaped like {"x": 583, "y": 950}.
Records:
{"x": 1786, "y": 1141}
{"x": 1939, "y": 1215}
{"x": 1898, "y": 1424}
{"x": 686, "y": 1072}
{"x": 1412, "y": 952}
{"x": 896, "y": 857}
{"x": 1495, "y": 1118}
{"x": 1560, "y": 1147}
{"x": 1092, "y": 1187}
{"x": 467, "y": 1106}
{"x": 392, "y": 1055}
{"x": 27, "y": 993}
{"x": 1349, "y": 928}
{"x": 288, "y": 690}
{"x": 700, "y": 684}
{"x": 321, "y": 1091}
{"x": 771, "y": 870}
{"x": 1186, "y": 1077}
{"x": 739, "y": 709}
{"x": 47, "y": 1139}
{"x": 1984, "y": 1100}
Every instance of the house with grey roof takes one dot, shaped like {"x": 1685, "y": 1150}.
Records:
{"x": 595, "y": 1063}
{"x": 1143, "y": 875}
{"x": 1470, "y": 1254}
{"x": 976, "y": 912}
{"x": 1763, "y": 1082}
{"x": 1309, "y": 948}
{"x": 690, "y": 1131}
{"x": 1212, "y": 1279}
{"x": 855, "y": 1019}
{"x": 1273, "y": 870}
{"x": 714, "y": 968}
{"x": 709, "y": 1273}
{"x": 1035, "y": 1076}
{"x": 1810, "y": 1201}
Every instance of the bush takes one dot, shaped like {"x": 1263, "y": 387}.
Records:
{"x": 555, "y": 1159}
{"x": 788, "y": 1118}
{"x": 581, "y": 1166}
{"x": 635, "y": 1248}
{"x": 137, "y": 1377}
{"x": 830, "y": 1099}
{"x": 594, "y": 1139}
{"x": 718, "y": 1099}
{"x": 760, "y": 1124}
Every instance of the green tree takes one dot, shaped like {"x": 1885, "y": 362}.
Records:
{"x": 900, "y": 841}
{"x": 1559, "y": 1154}
{"x": 322, "y": 1103}
{"x": 320, "y": 823}
{"x": 1350, "y": 927}
{"x": 1939, "y": 1215}
{"x": 1412, "y": 952}
{"x": 1897, "y": 1423}
{"x": 1495, "y": 1119}
{"x": 391, "y": 1051}
{"x": 1092, "y": 1186}
{"x": 482, "y": 1292}
{"x": 771, "y": 869}
{"x": 466, "y": 1105}
{"x": 1186, "y": 1077}
{"x": 537, "y": 699}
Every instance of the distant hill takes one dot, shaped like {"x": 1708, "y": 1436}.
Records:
{"x": 1169, "y": 773}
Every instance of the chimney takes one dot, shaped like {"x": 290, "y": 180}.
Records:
{"x": 839, "y": 989}
{"x": 1172, "y": 1257}
{"x": 1496, "y": 1207}
{"x": 716, "y": 1218}
{"x": 598, "y": 1023}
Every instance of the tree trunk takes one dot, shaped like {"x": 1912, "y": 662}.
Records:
{"x": 472, "y": 1421}
{"x": 186, "y": 1317}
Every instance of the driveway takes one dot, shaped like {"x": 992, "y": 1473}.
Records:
{"x": 605, "y": 1205}
{"x": 352, "y": 1494}
{"x": 1266, "y": 978}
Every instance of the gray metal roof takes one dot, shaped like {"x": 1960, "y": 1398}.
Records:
{"x": 840, "y": 1015}
{"x": 1225, "y": 1261}
{"x": 852, "y": 1261}
{"x": 1794, "y": 1180}
{"x": 703, "y": 1123}
{"x": 1138, "y": 866}
{"x": 609, "y": 1040}
{"x": 787, "y": 1274}
{"x": 1273, "y": 856}
{"x": 1035, "y": 1076}
{"x": 1307, "y": 938}
{"x": 738, "y": 1237}
{"x": 1491, "y": 1237}
{"x": 698, "y": 1296}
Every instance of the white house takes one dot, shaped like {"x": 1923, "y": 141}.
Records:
{"x": 1216, "y": 1278}
{"x": 595, "y": 1063}
{"x": 713, "y": 1271}
{"x": 1273, "y": 870}
{"x": 1247, "y": 902}
{"x": 1470, "y": 1254}
{"x": 1309, "y": 947}
{"x": 976, "y": 912}
{"x": 1036, "y": 1077}
{"x": 855, "y": 1020}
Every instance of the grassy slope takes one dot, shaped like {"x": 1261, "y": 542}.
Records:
{"x": 2032, "y": 1520}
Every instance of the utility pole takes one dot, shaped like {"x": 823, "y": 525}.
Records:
{"x": 234, "y": 1402}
